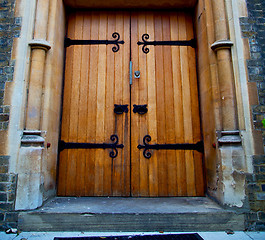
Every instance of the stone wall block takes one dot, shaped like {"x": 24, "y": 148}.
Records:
{"x": 234, "y": 176}
{"x": 30, "y": 177}
{"x": 29, "y": 191}
{"x": 30, "y": 160}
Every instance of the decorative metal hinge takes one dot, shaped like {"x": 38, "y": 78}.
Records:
{"x": 183, "y": 146}
{"x": 145, "y": 43}
{"x": 73, "y": 145}
{"x": 68, "y": 42}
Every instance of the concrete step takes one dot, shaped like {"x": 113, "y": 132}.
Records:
{"x": 130, "y": 215}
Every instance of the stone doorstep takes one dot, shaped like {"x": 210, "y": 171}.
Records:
{"x": 130, "y": 214}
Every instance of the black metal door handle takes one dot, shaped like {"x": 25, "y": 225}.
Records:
{"x": 140, "y": 109}
{"x": 120, "y": 109}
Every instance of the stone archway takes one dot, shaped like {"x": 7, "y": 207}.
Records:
{"x": 37, "y": 182}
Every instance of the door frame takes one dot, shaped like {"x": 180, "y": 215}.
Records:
{"x": 45, "y": 157}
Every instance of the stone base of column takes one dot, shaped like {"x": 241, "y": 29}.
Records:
{"x": 30, "y": 177}
{"x": 233, "y": 168}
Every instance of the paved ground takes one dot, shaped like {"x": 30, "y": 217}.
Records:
{"x": 204, "y": 235}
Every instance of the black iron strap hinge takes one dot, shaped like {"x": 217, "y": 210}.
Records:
{"x": 180, "y": 146}
{"x": 145, "y": 43}
{"x": 73, "y": 145}
{"x": 68, "y": 42}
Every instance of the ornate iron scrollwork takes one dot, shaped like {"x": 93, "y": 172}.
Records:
{"x": 120, "y": 109}
{"x": 145, "y": 43}
{"x": 113, "y": 154}
{"x": 184, "y": 146}
{"x": 140, "y": 109}
{"x": 68, "y": 42}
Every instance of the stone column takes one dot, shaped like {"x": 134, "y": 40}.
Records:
{"x": 229, "y": 140}
{"x": 30, "y": 176}
{"x": 39, "y": 47}
{"x": 222, "y": 47}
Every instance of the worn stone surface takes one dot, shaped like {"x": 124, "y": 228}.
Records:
{"x": 130, "y": 214}
{"x": 30, "y": 180}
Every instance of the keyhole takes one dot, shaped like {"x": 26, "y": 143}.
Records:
{"x": 137, "y": 74}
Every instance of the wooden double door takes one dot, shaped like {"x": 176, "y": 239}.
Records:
{"x": 141, "y": 98}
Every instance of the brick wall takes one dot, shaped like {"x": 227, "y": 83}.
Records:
{"x": 253, "y": 28}
{"x": 8, "y": 183}
{"x": 9, "y": 29}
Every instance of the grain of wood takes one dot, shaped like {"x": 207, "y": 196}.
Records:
{"x": 96, "y": 79}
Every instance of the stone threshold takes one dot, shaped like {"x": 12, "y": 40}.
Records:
{"x": 105, "y": 214}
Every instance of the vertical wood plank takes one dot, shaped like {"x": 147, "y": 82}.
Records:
{"x": 152, "y": 109}
{"x": 170, "y": 164}
{"x": 178, "y": 108}
{"x": 161, "y": 108}
{"x": 100, "y": 103}
{"x": 63, "y": 162}
{"x": 82, "y": 114}
{"x": 92, "y": 106}
{"x": 143, "y": 99}
{"x": 73, "y": 124}
{"x": 125, "y": 190}
{"x": 196, "y": 128}
{"x": 109, "y": 114}
{"x": 187, "y": 114}
{"x": 135, "y": 119}
{"x": 87, "y": 35}
{"x": 118, "y": 99}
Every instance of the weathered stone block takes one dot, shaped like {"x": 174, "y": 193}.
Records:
{"x": 3, "y": 197}
{"x": 6, "y": 206}
{"x": 11, "y": 217}
{"x": 4, "y": 117}
{"x": 258, "y": 159}
{"x": 3, "y": 169}
{"x": 252, "y": 216}
{"x": 253, "y": 187}
{"x": 262, "y": 169}
{"x": 260, "y": 196}
{"x": 11, "y": 196}
{"x": 4, "y": 177}
{"x": 260, "y": 177}
{"x": 260, "y": 226}
{"x": 261, "y": 216}
{"x": 4, "y": 160}
{"x": 6, "y": 187}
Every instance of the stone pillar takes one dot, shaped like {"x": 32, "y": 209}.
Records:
{"x": 30, "y": 176}
{"x": 229, "y": 141}
{"x": 39, "y": 47}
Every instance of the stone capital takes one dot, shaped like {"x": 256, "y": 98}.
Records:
{"x": 222, "y": 44}
{"x": 40, "y": 44}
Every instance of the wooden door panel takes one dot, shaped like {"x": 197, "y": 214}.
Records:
{"x": 95, "y": 79}
{"x": 168, "y": 85}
